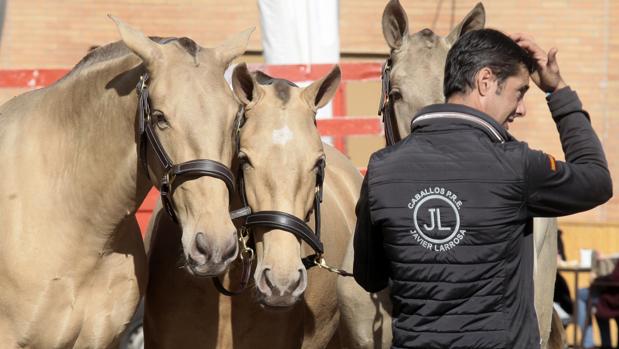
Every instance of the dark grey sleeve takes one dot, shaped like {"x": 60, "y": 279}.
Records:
{"x": 370, "y": 267}
{"x": 582, "y": 182}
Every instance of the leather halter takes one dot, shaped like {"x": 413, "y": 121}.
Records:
{"x": 290, "y": 223}
{"x": 385, "y": 106}
{"x": 279, "y": 220}
{"x": 169, "y": 176}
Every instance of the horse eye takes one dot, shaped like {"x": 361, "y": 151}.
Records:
{"x": 320, "y": 162}
{"x": 160, "y": 119}
{"x": 395, "y": 95}
{"x": 243, "y": 160}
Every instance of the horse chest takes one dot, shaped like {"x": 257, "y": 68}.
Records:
{"x": 68, "y": 311}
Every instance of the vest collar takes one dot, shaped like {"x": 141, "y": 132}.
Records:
{"x": 436, "y": 113}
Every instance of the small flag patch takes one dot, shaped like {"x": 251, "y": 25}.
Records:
{"x": 553, "y": 163}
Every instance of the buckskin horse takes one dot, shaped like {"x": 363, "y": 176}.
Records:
{"x": 80, "y": 156}
{"x": 281, "y": 162}
{"x": 412, "y": 79}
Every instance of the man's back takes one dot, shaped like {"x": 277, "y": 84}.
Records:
{"x": 454, "y": 281}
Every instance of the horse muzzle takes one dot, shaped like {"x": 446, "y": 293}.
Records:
{"x": 208, "y": 259}
{"x": 280, "y": 291}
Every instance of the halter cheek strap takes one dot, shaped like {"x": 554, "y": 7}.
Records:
{"x": 385, "y": 107}
{"x": 167, "y": 175}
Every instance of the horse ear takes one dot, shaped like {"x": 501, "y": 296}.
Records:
{"x": 476, "y": 19}
{"x": 244, "y": 85}
{"x": 320, "y": 92}
{"x": 395, "y": 24}
{"x": 148, "y": 50}
{"x": 233, "y": 46}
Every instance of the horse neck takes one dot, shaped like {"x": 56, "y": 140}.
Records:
{"x": 96, "y": 143}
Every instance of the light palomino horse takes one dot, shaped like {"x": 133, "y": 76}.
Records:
{"x": 72, "y": 261}
{"x": 288, "y": 306}
{"x": 416, "y": 78}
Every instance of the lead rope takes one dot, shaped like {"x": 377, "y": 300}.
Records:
{"x": 320, "y": 262}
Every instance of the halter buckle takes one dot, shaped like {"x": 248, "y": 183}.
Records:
{"x": 142, "y": 83}
{"x": 246, "y": 251}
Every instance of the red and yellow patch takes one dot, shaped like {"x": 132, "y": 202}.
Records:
{"x": 553, "y": 163}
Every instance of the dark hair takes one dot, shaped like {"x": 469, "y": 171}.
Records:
{"x": 479, "y": 49}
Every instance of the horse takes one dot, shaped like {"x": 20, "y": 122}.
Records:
{"x": 280, "y": 160}
{"x": 412, "y": 79}
{"x": 79, "y": 158}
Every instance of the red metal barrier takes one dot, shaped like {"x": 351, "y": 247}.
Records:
{"x": 339, "y": 127}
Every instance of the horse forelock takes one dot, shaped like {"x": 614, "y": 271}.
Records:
{"x": 189, "y": 45}
{"x": 281, "y": 86}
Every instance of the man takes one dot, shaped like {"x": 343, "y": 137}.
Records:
{"x": 445, "y": 216}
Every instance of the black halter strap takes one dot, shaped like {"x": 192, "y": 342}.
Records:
{"x": 288, "y": 222}
{"x": 385, "y": 107}
{"x": 169, "y": 176}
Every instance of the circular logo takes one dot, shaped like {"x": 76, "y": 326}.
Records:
{"x": 440, "y": 217}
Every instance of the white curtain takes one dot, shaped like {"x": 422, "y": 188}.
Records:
{"x": 300, "y": 31}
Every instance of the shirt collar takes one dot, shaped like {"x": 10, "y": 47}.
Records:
{"x": 436, "y": 113}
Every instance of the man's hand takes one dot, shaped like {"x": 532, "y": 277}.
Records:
{"x": 547, "y": 76}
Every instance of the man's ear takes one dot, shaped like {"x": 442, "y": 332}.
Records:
{"x": 484, "y": 80}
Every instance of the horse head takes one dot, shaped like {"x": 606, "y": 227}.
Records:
{"x": 282, "y": 159}
{"x": 190, "y": 110}
{"x": 418, "y": 61}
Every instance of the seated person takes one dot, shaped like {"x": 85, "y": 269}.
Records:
{"x": 562, "y": 300}
{"x": 607, "y": 290}
{"x": 604, "y": 293}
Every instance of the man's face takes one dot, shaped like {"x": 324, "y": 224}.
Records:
{"x": 505, "y": 101}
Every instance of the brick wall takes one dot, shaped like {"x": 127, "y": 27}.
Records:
{"x": 56, "y": 34}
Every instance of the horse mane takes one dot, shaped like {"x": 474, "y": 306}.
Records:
{"x": 118, "y": 49}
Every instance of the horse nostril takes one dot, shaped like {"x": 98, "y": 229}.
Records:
{"x": 298, "y": 287}
{"x": 201, "y": 244}
{"x": 267, "y": 280}
{"x": 295, "y": 285}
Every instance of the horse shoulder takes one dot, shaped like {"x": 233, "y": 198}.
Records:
{"x": 342, "y": 175}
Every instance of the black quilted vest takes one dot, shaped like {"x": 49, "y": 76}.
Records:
{"x": 451, "y": 208}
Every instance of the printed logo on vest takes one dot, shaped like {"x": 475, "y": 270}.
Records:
{"x": 436, "y": 219}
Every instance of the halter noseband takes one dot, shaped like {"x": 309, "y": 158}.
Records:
{"x": 385, "y": 106}
{"x": 170, "y": 176}
{"x": 279, "y": 220}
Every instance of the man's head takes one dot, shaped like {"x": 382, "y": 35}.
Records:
{"x": 487, "y": 70}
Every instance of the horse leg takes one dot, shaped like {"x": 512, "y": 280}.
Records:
{"x": 545, "y": 270}
{"x": 557, "y": 339}
{"x": 365, "y": 320}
